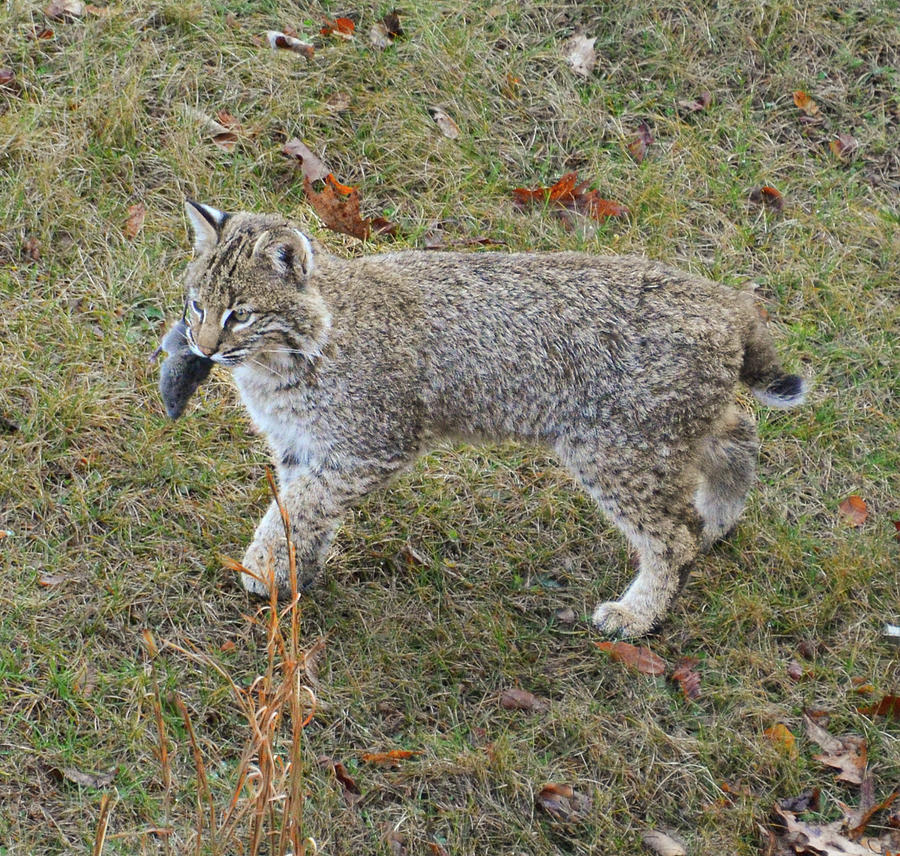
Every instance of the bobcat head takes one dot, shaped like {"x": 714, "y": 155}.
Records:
{"x": 251, "y": 291}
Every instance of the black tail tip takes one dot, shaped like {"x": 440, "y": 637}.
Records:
{"x": 784, "y": 391}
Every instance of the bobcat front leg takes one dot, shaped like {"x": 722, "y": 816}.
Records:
{"x": 315, "y": 505}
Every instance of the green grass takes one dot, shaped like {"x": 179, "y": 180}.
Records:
{"x": 134, "y": 513}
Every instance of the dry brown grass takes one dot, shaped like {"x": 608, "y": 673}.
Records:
{"x": 444, "y": 591}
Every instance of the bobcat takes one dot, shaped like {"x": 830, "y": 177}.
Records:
{"x": 625, "y": 368}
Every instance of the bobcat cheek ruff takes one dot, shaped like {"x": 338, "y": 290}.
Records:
{"x": 625, "y": 368}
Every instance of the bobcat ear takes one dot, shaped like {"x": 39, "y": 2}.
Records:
{"x": 290, "y": 254}
{"x": 206, "y": 222}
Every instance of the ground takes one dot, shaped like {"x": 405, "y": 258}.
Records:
{"x": 449, "y": 588}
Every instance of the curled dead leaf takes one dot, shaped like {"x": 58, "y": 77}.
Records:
{"x": 571, "y": 196}
{"x": 847, "y": 754}
{"x": 282, "y": 41}
{"x": 64, "y": 10}
{"x": 135, "y": 220}
{"x": 843, "y": 146}
{"x": 805, "y": 103}
{"x": 639, "y": 145}
{"x": 448, "y": 127}
{"x": 639, "y": 658}
{"x": 89, "y": 780}
{"x": 516, "y": 699}
{"x": 8, "y": 80}
{"x": 687, "y": 677}
{"x": 768, "y": 196}
{"x": 701, "y": 102}
{"x": 580, "y": 54}
{"x": 854, "y": 510}
{"x": 888, "y": 706}
{"x": 390, "y": 757}
{"x": 343, "y": 27}
{"x": 563, "y": 803}
{"x": 349, "y": 789}
{"x": 312, "y": 167}
{"x": 662, "y": 843}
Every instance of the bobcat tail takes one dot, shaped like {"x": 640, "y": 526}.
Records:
{"x": 762, "y": 371}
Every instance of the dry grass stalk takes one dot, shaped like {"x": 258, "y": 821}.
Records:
{"x": 263, "y": 706}
{"x": 106, "y": 804}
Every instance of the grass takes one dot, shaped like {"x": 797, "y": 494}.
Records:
{"x": 445, "y": 590}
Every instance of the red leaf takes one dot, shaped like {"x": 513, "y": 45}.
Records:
{"x": 573, "y": 196}
{"x": 854, "y": 510}
{"x": 342, "y": 215}
{"x": 339, "y": 26}
{"x": 641, "y": 659}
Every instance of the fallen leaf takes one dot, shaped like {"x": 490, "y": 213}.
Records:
{"x": 8, "y": 80}
{"x": 701, "y": 102}
{"x": 349, "y": 789}
{"x": 342, "y": 215}
{"x": 312, "y": 167}
{"x": 50, "y": 580}
{"x": 685, "y": 675}
{"x": 563, "y": 802}
{"x": 448, "y": 127}
{"x": 795, "y": 671}
{"x": 641, "y": 659}
{"x": 843, "y": 146}
{"x": 311, "y": 658}
{"x": 805, "y": 103}
{"x": 135, "y": 220}
{"x": 31, "y": 248}
{"x": 782, "y": 737}
{"x": 227, "y": 646}
{"x": 566, "y": 615}
{"x": 662, "y": 843}
{"x": 888, "y": 706}
{"x": 343, "y": 27}
{"x": 437, "y": 849}
{"x": 390, "y": 757}
{"x": 856, "y": 820}
{"x": 64, "y": 10}
{"x": 338, "y": 101}
{"x": 639, "y": 145}
{"x": 807, "y": 801}
{"x": 395, "y": 840}
{"x": 854, "y": 510}
{"x": 278, "y": 40}
{"x": 580, "y": 54}
{"x": 391, "y": 23}
{"x": 90, "y": 780}
{"x": 573, "y": 197}
{"x": 846, "y": 754}
{"x": 516, "y": 699}
{"x": 896, "y": 529}
{"x": 42, "y": 33}
{"x": 826, "y": 840}
{"x": 769, "y": 196}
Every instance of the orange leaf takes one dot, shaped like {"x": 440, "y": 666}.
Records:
{"x": 641, "y": 659}
{"x": 342, "y": 215}
{"x": 388, "y": 757}
{"x": 767, "y": 195}
{"x": 571, "y": 195}
{"x": 888, "y": 706}
{"x": 805, "y": 103}
{"x": 343, "y": 189}
{"x": 339, "y": 26}
{"x": 783, "y": 738}
{"x": 854, "y": 510}
{"x": 134, "y": 221}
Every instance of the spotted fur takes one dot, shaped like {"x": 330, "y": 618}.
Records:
{"x": 625, "y": 368}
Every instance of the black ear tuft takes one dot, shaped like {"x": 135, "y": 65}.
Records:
{"x": 207, "y": 223}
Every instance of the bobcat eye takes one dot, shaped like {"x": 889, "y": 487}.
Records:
{"x": 241, "y": 316}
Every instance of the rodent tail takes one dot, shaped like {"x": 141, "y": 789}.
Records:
{"x": 762, "y": 370}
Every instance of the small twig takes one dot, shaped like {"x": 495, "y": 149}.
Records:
{"x": 106, "y": 804}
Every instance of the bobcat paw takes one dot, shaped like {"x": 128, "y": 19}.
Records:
{"x": 615, "y": 619}
{"x": 266, "y": 565}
